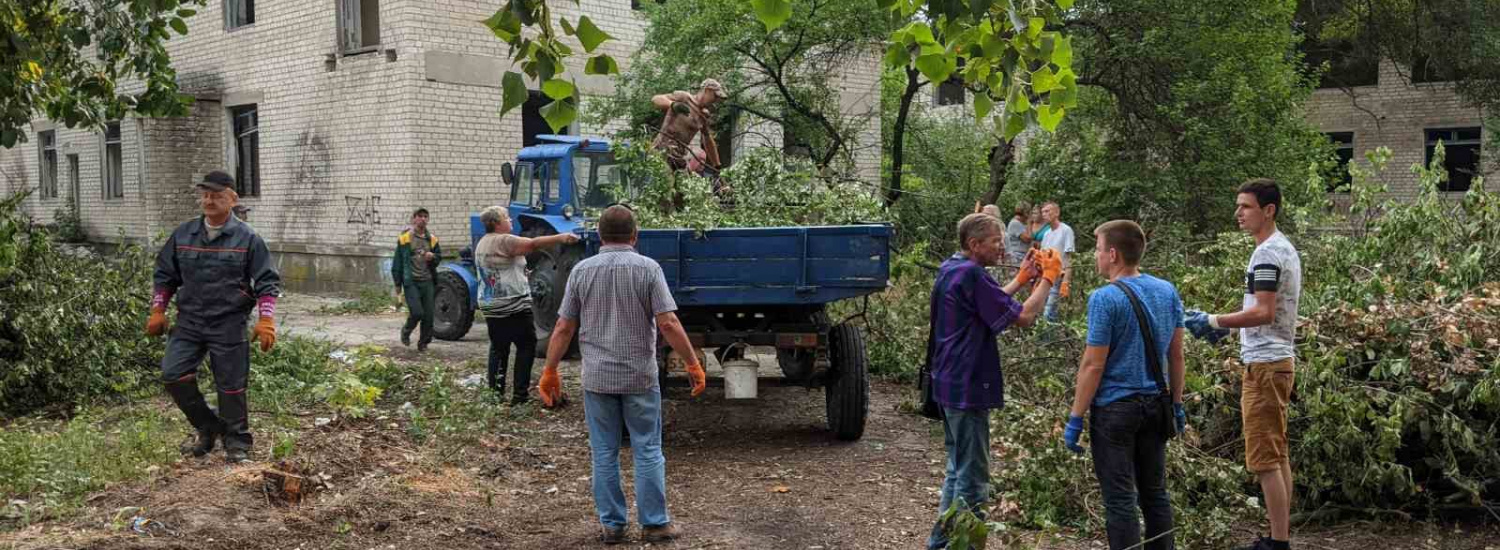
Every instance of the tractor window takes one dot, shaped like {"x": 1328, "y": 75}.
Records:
{"x": 599, "y": 177}
{"x": 521, "y": 191}
{"x": 547, "y": 181}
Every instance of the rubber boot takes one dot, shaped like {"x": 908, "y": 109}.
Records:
{"x": 190, "y": 401}
{"x": 234, "y": 409}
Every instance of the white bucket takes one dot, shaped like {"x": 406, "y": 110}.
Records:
{"x": 740, "y": 378}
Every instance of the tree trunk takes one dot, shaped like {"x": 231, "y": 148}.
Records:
{"x": 1002, "y": 156}
{"x": 898, "y": 137}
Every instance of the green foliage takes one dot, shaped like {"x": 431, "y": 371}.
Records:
{"x": 1182, "y": 102}
{"x": 348, "y": 395}
{"x": 543, "y": 55}
{"x": 371, "y": 299}
{"x": 50, "y": 466}
{"x": 766, "y": 189}
{"x": 68, "y": 223}
{"x": 1005, "y": 51}
{"x": 50, "y": 294}
{"x": 785, "y": 73}
{"x": 48, "y": 62}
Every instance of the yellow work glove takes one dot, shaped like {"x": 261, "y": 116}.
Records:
{"x": 550, "y": 387}
{"x": 265, "y": 333}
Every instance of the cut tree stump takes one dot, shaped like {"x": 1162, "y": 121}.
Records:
{"x": 284, "y": 484}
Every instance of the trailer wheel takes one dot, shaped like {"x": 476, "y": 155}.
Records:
{"x": 847, "y": 394}
{"x": 453, "y": 315}
{"x": 549, "y": 268}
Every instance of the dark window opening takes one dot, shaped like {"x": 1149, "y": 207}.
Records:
{"x": 1460, "y": 156}
{"x": 75, "y": 181}
{"x": 359, "y": 25}
{"x": 239, "y": 13}
{"x": 950, "y": 92}
{"x": 114, "y": 162}
{"x": 724, "y": 136}
{"x": 532, "y": 123}
{"x": 48, "y": 171}
{"x": 1343, "y": 145}
{"x": 636, "y": 4}
{"x": 246, "y": 150}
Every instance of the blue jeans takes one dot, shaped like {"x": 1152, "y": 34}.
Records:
{"x": 1053, "y": 301}
{"x": 641, "y": 414}
{"x": 1130, "y": 459}
{"x": 966, "y": 435}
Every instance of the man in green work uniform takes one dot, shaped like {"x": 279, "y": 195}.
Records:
{"x": 414, "y": 270}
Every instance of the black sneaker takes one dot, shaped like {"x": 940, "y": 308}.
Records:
{"x": 1263, "y": 543}
{"x": 406, "y": 338}
{"x": 613, "y": 535}
{"x": 204, "y": 445}
{"x": 236, "y": 456}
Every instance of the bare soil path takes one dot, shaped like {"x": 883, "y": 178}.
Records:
{"x": 761, "y": 474}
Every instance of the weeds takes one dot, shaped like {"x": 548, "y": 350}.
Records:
{"x": 370, "y": 300}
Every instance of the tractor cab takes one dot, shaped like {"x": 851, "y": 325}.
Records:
{"x": 553, "y": 184}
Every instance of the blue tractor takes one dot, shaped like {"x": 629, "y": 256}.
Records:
{"x": 735, "y": 288}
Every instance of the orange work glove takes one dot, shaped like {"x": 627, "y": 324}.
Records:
{"x": 265, "y": 333}
{"x": 1028, "y": 270}
{"x": 550, "y": 387}
{"x": 1063, "y": 292}
{"x": 157, "y": 324}
{"x": 697, "y": 377}
{"x": 1050, "y": 263}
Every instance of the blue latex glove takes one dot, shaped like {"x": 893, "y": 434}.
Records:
{"x": 1072, "y": 432}
{"x": 1196, "y": 323}
{"x": 1181, "y": 416}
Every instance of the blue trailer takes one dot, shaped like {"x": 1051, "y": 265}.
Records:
{"x": 735, "y": 288}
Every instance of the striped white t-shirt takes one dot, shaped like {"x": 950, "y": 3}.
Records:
{"x": 1274, "y": 266}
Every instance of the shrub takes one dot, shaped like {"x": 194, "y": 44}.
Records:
{"x": 52, "y": 295}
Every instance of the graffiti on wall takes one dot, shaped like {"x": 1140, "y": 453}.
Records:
{"x": 363, "y": 211}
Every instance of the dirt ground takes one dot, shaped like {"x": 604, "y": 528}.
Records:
{"x": 761, "y": 474}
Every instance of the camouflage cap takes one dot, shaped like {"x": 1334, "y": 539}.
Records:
{"x": 711, "y": 84}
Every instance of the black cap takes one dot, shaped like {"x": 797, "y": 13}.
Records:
{"x": 216, "y": 181}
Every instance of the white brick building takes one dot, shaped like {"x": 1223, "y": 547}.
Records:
{"x": 1406, "y": 117}
{"x": 349, "y": 135}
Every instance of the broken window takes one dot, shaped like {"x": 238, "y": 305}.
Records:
{"x": 950, "y": 92}
{"x": 114, "y": 162}
{"x": 1343, "y": 145}
{"x": 246, "y": 150}
{"x": 48, "y": 171}
{"x": 532, "y": 123}
{"x": 1460, "y": 156}
{"x": 238, "y": 13}
{"x": 359, "y": 25}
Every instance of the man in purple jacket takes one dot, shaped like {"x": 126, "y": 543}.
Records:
{"x": 969, "y": 309}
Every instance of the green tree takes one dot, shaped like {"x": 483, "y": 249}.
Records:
{"x": 71, "y": 61}
{"x": 1181, "y": 101}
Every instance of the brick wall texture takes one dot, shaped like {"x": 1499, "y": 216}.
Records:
{"x": 349, "y": 144}
{"x": 1394, "y": 113}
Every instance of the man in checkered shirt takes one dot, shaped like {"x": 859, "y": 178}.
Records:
{"x": 616, "y": 301}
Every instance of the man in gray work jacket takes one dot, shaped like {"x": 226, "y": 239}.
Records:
{"x": 220, "y": 271}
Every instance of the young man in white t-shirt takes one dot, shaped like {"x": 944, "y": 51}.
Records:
{"x": 1267, "y": 323}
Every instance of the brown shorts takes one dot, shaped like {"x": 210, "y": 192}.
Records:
{"x": 1263, "y": 401}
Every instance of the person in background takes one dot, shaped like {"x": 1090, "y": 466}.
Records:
{"x": 968, "y": 311}
{"x": 414, "y": 270}
{"x": 1058, "y": 237}
{"x": 505, "y": 298}
{"x": 1128, "y": 429}
{"x": 1017, "y": 234}
{"x": 1037, "y": 226}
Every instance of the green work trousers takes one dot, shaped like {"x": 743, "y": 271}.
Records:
{"x": 419, "y": 306}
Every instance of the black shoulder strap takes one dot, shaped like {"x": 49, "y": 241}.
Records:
{"x": 1153, "y": 359}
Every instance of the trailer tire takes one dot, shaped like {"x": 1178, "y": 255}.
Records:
{"x": 549, "y": 268}
{"x": 453, "y": 315}
{"x": 847, "y": 394}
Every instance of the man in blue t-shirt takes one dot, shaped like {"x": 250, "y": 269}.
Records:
{"x": 1128, "y": 440}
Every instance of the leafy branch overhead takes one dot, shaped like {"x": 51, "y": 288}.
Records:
{"x": 44, "y": 66}
{"x": 1001, "y": 49}
{"x": 542, "y": 55}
